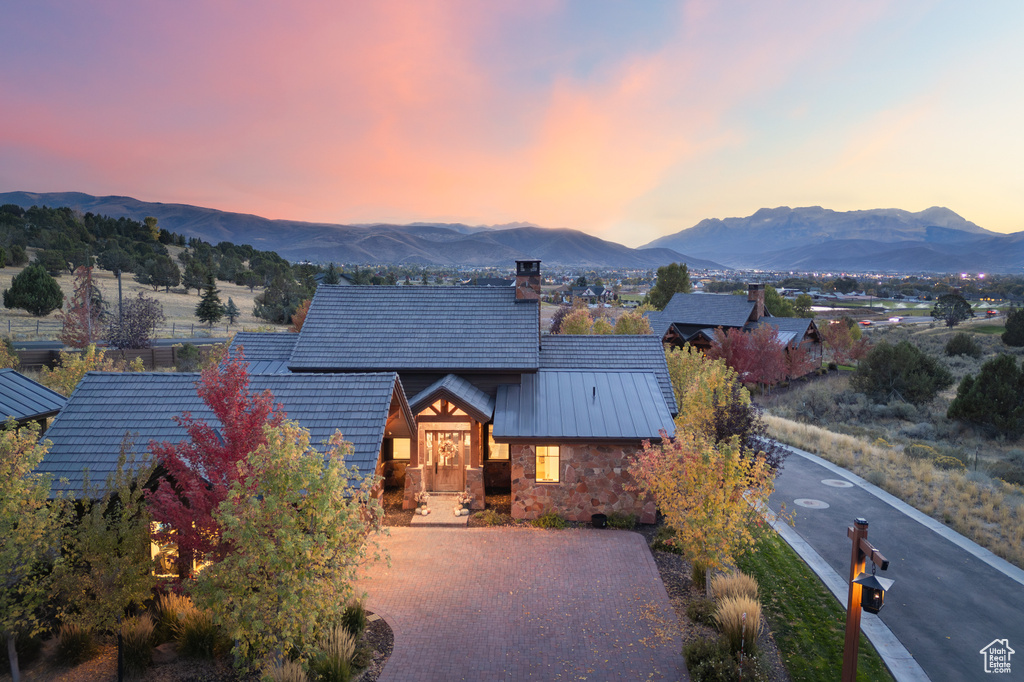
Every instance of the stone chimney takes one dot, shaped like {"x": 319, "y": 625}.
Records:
{"x": 528, "y": 286}
{"x": 755, "y": 294}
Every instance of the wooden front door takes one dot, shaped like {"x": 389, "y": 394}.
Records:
{"x": 445, "y": 455}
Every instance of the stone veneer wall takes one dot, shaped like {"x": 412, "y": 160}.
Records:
{"x": 413, "y": 485}
{"x": 593, "y": 480}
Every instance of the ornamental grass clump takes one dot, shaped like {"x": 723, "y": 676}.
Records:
{"x": 75, "y": 644}
{"x": 286, "y": 671}
{"x": 169, "y": 611}
{"x": 137, "y": 643}
{"x": 334, "y": 663}
{"x": 353, "y": 618}
{"x": 198, "y": 636}
{"x": 738, "y": 584}
{"x": 739, "y": 619}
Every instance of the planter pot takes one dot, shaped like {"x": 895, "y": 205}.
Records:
{"x": 599, "y": 521}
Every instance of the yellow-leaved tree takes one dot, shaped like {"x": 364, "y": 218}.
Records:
{"x": 703, "y": 388}
{"x": 710, "y": 494}
{"x": 73, "y": 366}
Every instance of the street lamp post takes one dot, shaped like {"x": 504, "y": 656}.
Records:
{"x": 862, "y": 585}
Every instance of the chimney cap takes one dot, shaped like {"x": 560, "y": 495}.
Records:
{"x": 528, "y": 266}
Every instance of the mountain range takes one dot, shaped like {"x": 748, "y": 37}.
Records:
{"x": 800, "y": 239}
{"x": 816, "y": 238}
{"x": 418, "y": 243}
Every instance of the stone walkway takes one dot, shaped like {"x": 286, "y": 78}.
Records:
{"x": 442, "y": 507}
{"x": 524, "y": 604}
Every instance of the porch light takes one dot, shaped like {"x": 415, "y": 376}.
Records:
{"x": 873, "y": 588}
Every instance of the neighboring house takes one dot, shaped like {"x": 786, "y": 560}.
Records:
{"x": 593, "y": 294}
{"x": 693, "y": 318}
{"x": 476, "y": 399}
{"x": 24, "y": 400}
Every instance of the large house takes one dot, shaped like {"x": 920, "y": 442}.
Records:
{"x": 693, "y": 318}
{"x": 446, "y": 389}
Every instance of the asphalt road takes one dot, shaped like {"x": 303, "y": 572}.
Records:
{"x": 951, "y": 598}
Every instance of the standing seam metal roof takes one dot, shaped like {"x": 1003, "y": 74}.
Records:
{"x": 25, "y": 399}
{"x": 585, "y": 405}
{"x": 105, "y": 406}
{"x": 565, "y": 351}
{"x": 417, "y": 328}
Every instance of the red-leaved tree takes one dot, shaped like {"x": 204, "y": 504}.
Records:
{"x": 197, "y": 473}
{"x": 83, "y": 319}
{"x": 758, "y": 356}
{"x": 842, "y": 347}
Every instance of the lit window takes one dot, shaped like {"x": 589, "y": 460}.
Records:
{"x": 495, "y": 450}
{"x": 400, "y": 448}
{"x": 547, "y": 464}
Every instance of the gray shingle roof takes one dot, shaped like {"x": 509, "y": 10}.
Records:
{"x": 475, "y": 402}
{"x": 264, "y": 346}
{"x": 586, "y": 405}
{"x": 105, "y": 406}
{"x": 24, "y": 399}
{"x": 705, "y": 310}
{"x": 564, "y": 351}
{"x": 791, "y": 329}
{"x": 435, "y": 328}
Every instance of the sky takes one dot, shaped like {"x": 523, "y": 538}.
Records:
{"x": 627, "y": 120}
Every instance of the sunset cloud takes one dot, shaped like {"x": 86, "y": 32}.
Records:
{"x": 625, "y": 121}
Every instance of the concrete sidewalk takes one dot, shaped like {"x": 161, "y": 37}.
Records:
{"x": 951, "y": 597}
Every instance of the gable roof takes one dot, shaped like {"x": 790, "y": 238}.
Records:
{"x": 455, "y": 389}
{"x": 791, "y": 329}
{"x": 703, "y": 310}
{"x": 106, "y": 405}
{"x": 584, "y": 405}
{"x": 435, "y": 328}
{"x": 25, "y": 399}
{"x": 614, "y": 351}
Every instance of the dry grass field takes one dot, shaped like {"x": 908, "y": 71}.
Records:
{"x": 179, "y": 308}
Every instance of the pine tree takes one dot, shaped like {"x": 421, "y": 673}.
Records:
{"x": 34, "y": 290}
{"x": 209, "y": 309}
{"x": 231, "y": 311}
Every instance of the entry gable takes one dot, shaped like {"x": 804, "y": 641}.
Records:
{"x": 460, "y": 393}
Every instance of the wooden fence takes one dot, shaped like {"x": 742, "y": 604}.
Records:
{"x": 152, "y": 358}
{"x": 39, "y": 330}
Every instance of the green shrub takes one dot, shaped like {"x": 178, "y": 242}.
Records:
{"x": 702, "y": 611}
{"x": 949, "y": 463}
{"x": 1007, "y": 471}
{"x": 75, "y": 645}
{"x": 740, "y": 621}
{"x": 963, "y": 343}
{"x": 665, "y": 541}
{"x": 137, "y": 643}
{"x": 334, "y": 661}
{"x": 548, "y": 520}
{"x": 709, "y": 660}
{"x": 353, "y": 618}
{"x": 187, "y": 358}
{"x": 900, "y": 372}
{"x": 491, "y": 517}
{"x": 622, "y": 520}
{"x": 920, "y": 451}
{"x": 993, "y": 398}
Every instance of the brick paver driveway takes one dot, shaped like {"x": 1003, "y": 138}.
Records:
{"x": 523, "y": 604}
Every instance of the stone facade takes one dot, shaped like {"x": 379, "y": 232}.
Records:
{"x": 475, "y": 486}
{"x": 592, "y": 480}
{"x": 413, "y": 485}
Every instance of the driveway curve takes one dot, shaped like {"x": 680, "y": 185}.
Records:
{"x": 524, "y": 604}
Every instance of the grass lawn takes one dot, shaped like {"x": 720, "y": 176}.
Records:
{"x": 988, "y": 329}
{"x": 807, "y": 622}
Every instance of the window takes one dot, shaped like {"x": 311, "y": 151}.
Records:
{"x": 400, "y": 448}
{"x": 495, "y": 450}
{"x": 547, "y": 464}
